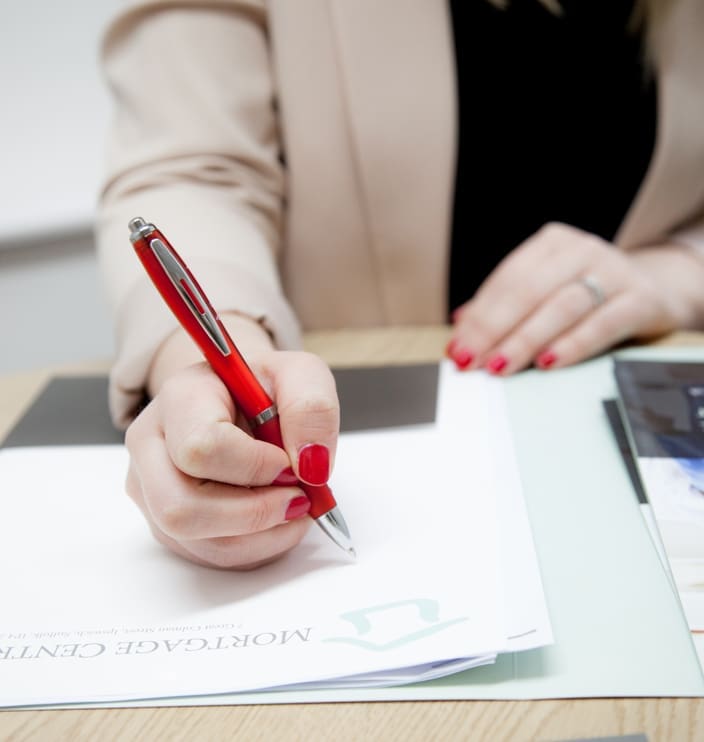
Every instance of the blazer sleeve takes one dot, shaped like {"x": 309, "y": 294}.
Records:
{"x": 193, "y": 147}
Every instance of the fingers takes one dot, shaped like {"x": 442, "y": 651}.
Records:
{"x": 309, "y": 413}
{"x": 209, "y": 490}
{"x": 610, "y": 323}
{"x": 522, "y": 282}
{"x": 201, "y": 437}
{"x": 242, "y": 552}
{"x": 187, "y": 509}
{"x": 536, "y": 337}
{"x": 540, "y": 305}
{"x": 251, "y": 551}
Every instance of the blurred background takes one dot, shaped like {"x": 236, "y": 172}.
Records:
{"x": 55, "y": 110}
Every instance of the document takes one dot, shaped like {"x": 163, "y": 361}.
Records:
{"x": 662, "y": 405}
{"x": 94, "y": 610}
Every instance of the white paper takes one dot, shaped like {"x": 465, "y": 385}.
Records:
{"x": 461, "y": 394}
{"x": 94, "y": 610}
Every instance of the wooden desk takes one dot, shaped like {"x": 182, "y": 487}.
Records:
{"x": 663, "y": 720}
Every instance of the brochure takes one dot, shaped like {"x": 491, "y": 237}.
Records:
{"x": 662, "y": 406}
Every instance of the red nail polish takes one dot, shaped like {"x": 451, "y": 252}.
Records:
{"x": 297, "y": 508}
{"x": 546, "y": 359}
{"x": 462, "y": 357}
{"x": 314, "y": 463}
{"x": 286, "y": 478}
{"x": 497, "y": 364}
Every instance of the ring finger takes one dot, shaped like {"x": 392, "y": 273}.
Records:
{"x": 609, "y": 324}
{"x": 567, "y": 306}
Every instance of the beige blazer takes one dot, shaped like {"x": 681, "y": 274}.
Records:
{"x": 300, "y": 156}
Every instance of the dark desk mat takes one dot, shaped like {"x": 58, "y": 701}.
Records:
{"x": 73, "y": 410}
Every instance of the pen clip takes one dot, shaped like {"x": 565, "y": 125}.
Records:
{"x": 192, "y": 296}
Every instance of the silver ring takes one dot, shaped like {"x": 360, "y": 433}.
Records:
{"x": 596, "y": 292}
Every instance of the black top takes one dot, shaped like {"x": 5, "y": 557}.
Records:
{"x": 556, "y": 123}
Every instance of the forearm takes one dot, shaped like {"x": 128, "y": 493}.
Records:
{"x": 213, "y": 180}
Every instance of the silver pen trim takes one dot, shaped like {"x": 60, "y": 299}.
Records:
{"x": 139, "y": 228}
{"x": 334, "y": 526}
{"x": 185, "y": 286}
{"x": 264, "y": 416}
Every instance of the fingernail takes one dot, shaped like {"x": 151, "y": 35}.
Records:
{"x": 297, "y": 508}
{"x": 546, "y": 359}
{"x": 286, "y": 478}
{"x": 314, "y": 463}
{"x": 497, "y": 364}
{"x": 461, "y": 356}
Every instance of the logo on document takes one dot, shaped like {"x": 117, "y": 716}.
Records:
{"x": 392, "y": 625}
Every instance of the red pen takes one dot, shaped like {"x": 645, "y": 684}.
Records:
{"x": 186, "y": 299}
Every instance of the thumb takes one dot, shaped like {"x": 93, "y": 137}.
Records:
{"x": 309, "y": 413}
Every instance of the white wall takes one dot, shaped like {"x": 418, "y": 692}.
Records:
{"x": 55, "y": 111}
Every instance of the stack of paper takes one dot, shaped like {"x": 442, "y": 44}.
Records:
{"x": 446, "y": 576}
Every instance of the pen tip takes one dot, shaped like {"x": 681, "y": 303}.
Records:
{"x": 352, "y": 552}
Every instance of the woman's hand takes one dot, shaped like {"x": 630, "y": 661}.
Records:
{"x": 565, "y": 295}
{"x": 210, "y": 491}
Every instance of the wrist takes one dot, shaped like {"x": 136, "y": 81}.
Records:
{"x": 679, "y": 276}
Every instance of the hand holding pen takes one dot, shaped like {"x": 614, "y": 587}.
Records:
{"x": 211, "y": 491}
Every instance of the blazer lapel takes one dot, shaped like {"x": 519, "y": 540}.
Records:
{"x": 397, "y": 71}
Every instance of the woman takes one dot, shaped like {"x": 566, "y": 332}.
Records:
{"x": 308, "y": 161}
